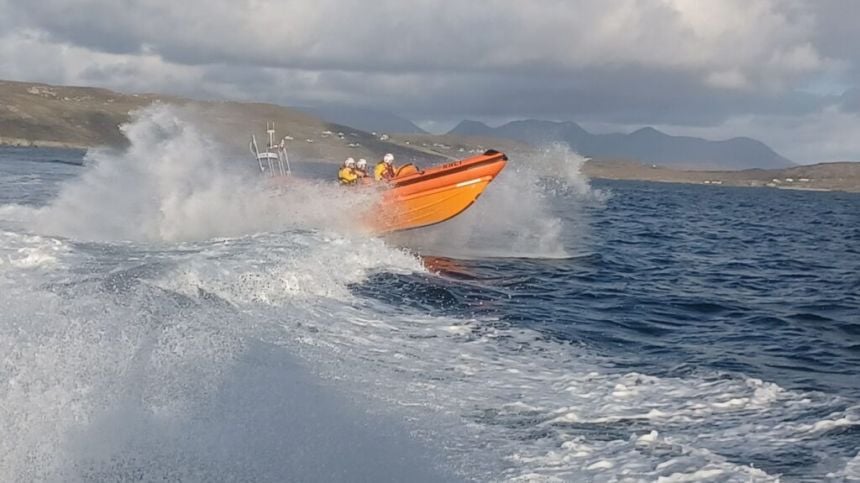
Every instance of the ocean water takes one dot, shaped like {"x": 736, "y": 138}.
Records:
{"x": 165, "y": 315}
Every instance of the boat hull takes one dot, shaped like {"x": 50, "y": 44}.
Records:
{"x": 423, "y": 198}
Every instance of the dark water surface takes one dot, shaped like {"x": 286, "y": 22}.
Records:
{"x": 759, "y": 281}
{"x": 681, "y": 280}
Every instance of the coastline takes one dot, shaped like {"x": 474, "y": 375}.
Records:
{"x": 62, "y": 117}
{"x": 847, "y": 178}
{"x": 6, "y": 142}
{"x": 842, "y": 176}
{"x": 693, "y": 183}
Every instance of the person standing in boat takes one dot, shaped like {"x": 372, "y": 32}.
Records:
{"x": 347, "y": 174}
{"x": 361, "y": 168}
{"x": 384, "y": 170}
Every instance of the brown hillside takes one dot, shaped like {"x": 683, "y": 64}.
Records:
{"x": 81, "y": 117}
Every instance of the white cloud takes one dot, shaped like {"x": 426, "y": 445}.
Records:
{"x": 30, "y": 55}
{"x": 393, "y": 36}
{"x": 673, "y": 62}
{"x": 728, "y": 79}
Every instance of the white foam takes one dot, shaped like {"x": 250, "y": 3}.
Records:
{"x": 489, "y": 368}
{"x": 699, "y": 475}
{"x": 30, "y": 251}
{"x": 601, "y": 465}
{"x": 173, "y": 184}
{"x": 108, "y": 376}
{"x": 15, "y": 213}
{"x": 70, "y": 363}
{"x": 508, "y": 402}
{"x": 647, "y": 439}
{"x": 841, "y": 419}
{"x": 852, "y": 469}
{"x": 285, "y": 268}
{"x": 562, "y": 167}
{"x": 514, "y": 216}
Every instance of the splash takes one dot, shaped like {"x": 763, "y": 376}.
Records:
{"x": 125, "y": 361}
{"x": 174, "y": 184}
{"x": 517, "y": 216}
{"x": 560, "y": 170}
{"x": 29, "y": 251}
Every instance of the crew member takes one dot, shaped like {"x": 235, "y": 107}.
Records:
{"x": 361, "y": 168}
{"x": 347, "y": 174}
{"x": 384, "y": 170}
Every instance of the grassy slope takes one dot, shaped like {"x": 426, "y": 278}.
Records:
{"x": 81, "y": 117}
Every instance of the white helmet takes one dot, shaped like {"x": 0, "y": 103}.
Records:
{"x": 388, "y": 158}
{"x": 349, "y": 162}
{"x": 362, "y": 163}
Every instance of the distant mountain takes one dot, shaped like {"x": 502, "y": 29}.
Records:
{"x": 368, "y": 120}
{"x": 646, "y": 145}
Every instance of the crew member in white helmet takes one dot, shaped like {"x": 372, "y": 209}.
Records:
{"x": 384, "y": 170}
{"x": 347, "y": 174}
{"x": 361, "y": 168}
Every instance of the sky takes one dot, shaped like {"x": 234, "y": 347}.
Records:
{"x": 786, "y": 72}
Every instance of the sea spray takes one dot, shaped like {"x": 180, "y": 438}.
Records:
{"x": 149, "y": 361}
{"x": 516, "y": 215}
{"x": 173, "y": 183}
{"x": 560, "y": 171}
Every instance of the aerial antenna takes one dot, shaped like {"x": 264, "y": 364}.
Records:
{"x": 271, "y": 131}
{"x": 275, "y": 154}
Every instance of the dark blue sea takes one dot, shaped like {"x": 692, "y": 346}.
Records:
{"x": 165, "y": 315}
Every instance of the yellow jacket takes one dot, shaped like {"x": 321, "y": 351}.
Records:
{"x": 383, "y": 171}
{"x": 347, "y": 175}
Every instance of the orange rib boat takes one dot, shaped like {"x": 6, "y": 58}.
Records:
{"x": 418, "y": 198}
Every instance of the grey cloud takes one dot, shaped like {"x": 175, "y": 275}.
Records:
{"x": 433, "y": 38}
{"x": 837, "y": 34}
{"x": 667, "y": 62}
{"x": 427, "y": 35}
{"x": 620, "y": 95}
{"x": 850, "y": 100}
